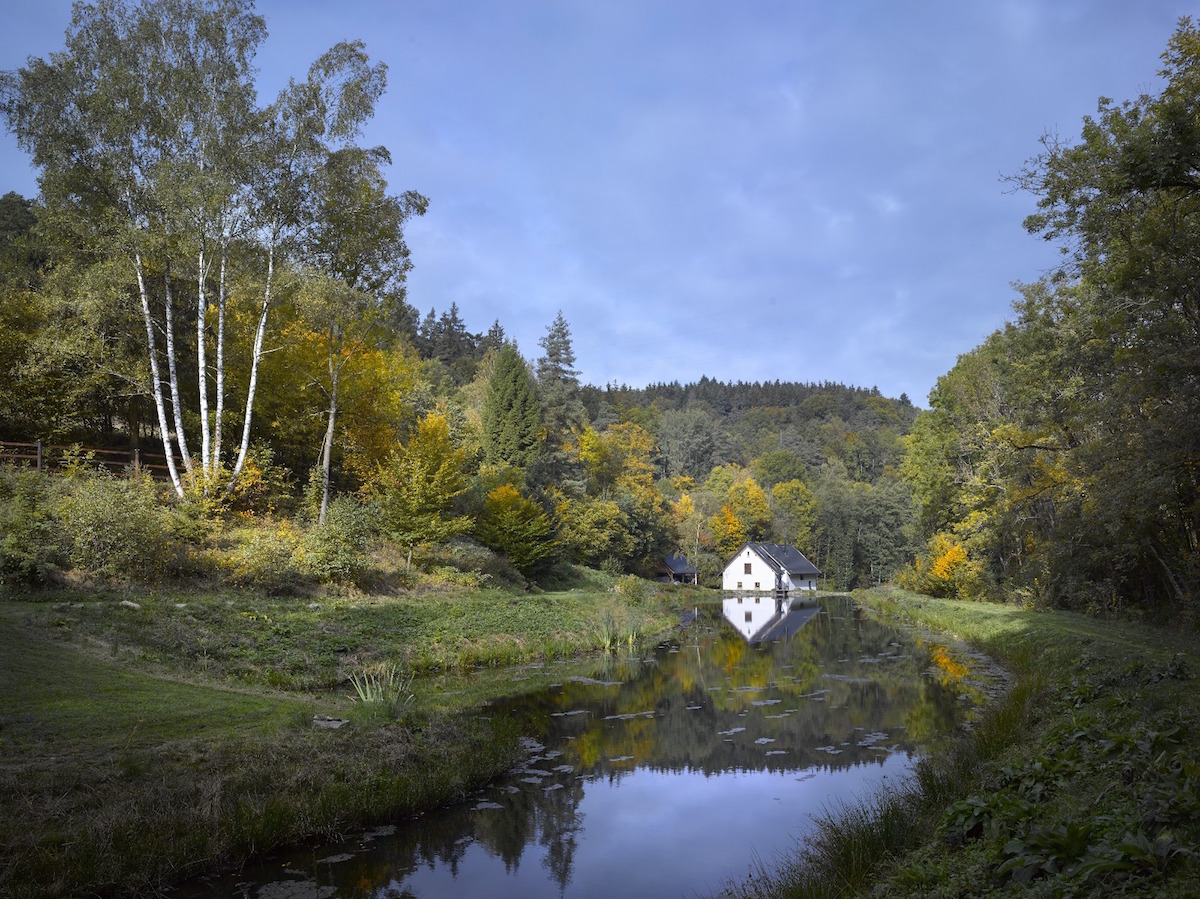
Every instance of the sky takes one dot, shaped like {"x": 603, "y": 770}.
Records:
{"x": 794, "y": 190}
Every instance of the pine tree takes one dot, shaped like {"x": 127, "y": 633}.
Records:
{"x": 419, "y": 484}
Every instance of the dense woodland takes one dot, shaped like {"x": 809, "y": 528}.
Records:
{"x": 225, "y": 279}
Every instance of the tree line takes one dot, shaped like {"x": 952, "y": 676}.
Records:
{"x": 1060, "y": 459}
{"x": 227, "y": 278}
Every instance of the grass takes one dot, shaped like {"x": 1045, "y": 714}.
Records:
{"x": 315, "y": 644}
{"x": 146, "y": 737}
{"x": 1084, "y": 780}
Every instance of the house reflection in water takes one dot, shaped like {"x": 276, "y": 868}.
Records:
{"x": 762, "y": 619}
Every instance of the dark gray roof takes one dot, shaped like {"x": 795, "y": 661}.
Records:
{"x": 782, "y": 557}
{"x": 678, "y": 564}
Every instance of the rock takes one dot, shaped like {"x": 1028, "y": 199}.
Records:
{"x": 327, "y": 723}
{"x": 129, "y": 604}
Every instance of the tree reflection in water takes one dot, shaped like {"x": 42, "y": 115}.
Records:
{"x": 672, "y": 770}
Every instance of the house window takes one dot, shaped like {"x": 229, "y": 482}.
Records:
{"x": 749, "y": 617}
{"x": 739, "y": 587}
{"x": 756, "y": 587}
{"x": 747, "y": 568}
{"x": 757, "y": 599}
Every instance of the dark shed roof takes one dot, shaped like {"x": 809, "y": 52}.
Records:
{"x": 678, "y": 564}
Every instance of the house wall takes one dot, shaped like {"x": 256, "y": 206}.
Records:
{"x": 799, "y": 582}
{"x": 735, "y": 577}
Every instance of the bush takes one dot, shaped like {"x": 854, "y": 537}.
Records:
{"x": 263, "y": 487}
{"x": 115, "y": 528}
{"x": 338, "y": 549}
{"x": 266, "y": 557}
{"x": 465, "y": 555}
{"x": 633, "y": 588}
{"x": 28, "y": 544}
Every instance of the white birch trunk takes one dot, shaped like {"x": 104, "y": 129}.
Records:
{"x": 220, "y": 375}
{"x": 335, "y": 370}
{"x": 155, "y": 377}
{"x": 180, "y": 435}
{"x": 255, "y": 358}
{"x": 202, "y": 371}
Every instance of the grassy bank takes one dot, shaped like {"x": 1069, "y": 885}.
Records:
{"x": 146, "y": 737}
{"x": 1084, "y": 780}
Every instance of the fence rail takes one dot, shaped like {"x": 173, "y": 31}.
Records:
{"x": 54, "y": 457}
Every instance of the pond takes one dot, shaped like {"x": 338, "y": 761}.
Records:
{"x": 672, "y": 772}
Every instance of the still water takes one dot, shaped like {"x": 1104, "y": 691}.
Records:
{"x": 671, "y": 772}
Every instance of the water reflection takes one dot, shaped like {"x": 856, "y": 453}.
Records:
{"x": 763, "y": 619}
{"x": 668, "y": 773}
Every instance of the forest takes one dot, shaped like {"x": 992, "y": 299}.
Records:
{"x": 224, "y": 282}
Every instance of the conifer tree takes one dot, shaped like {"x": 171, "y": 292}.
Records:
{"x": 511, "y": 419}
{"x": 563, "y": 414}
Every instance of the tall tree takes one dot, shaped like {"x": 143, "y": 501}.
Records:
{"x": 417, "y": 487}
{"x": 144, "y": 104}
{"x": 511, "y": 419}
{"x": 357, "y": 247}
{"x": 563, "y": 413}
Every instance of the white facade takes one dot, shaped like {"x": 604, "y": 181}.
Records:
{"x": 749, "y": 571}
{"x": 799, "y": 582}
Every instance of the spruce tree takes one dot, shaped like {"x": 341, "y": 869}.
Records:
{"x": 511, "y": 418}
{"x": 563, "y": 414}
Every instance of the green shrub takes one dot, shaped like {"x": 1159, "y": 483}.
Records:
{"x": 28, "y": 543}
{"x": 467, "y": 556}
{"x": 338, "y": 549}
{"x": 266, "y": 557}
{"x": 113, "y": 527}
{"x": 633, "y": 588}
{"x": 263, "y": 487}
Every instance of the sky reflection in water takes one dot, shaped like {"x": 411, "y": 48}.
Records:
{"x": 668, "y": 774}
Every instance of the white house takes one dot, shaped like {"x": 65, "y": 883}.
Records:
{"x": 769, "y": 567}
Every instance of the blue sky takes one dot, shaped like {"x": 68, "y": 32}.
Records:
{"x": 760, "y": 190}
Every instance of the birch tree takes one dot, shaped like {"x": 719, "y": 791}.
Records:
{"x": 360, "y": 258}
{"x": 151, "y": 147}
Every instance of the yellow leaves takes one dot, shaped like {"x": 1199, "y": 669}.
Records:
{"x": 684, "y": 509}
{"x": 944, "y": 569}
{"x": 419, "y": 484}
{"x": 948, "y": 563}
{"x": 620, "y": 457}
{"x": 727, "y": 530}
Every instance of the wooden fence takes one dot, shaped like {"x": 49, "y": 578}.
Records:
{"x": 53, "y": 457}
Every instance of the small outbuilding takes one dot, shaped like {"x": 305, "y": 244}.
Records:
{"x": 769, "y": 567}
{"x": 677, "y": 570}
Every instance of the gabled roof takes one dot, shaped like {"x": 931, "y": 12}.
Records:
{"x": 678, "y": 564}
{"x": 782, "y": 557}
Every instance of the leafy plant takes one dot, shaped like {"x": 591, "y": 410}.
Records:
{"x": 382, "y": 691}
{"x": 971, "y": 818}
{"x": 337, "y": 550}
{"x": 1045, "y": 850}
{"x": 28, "y": 551}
